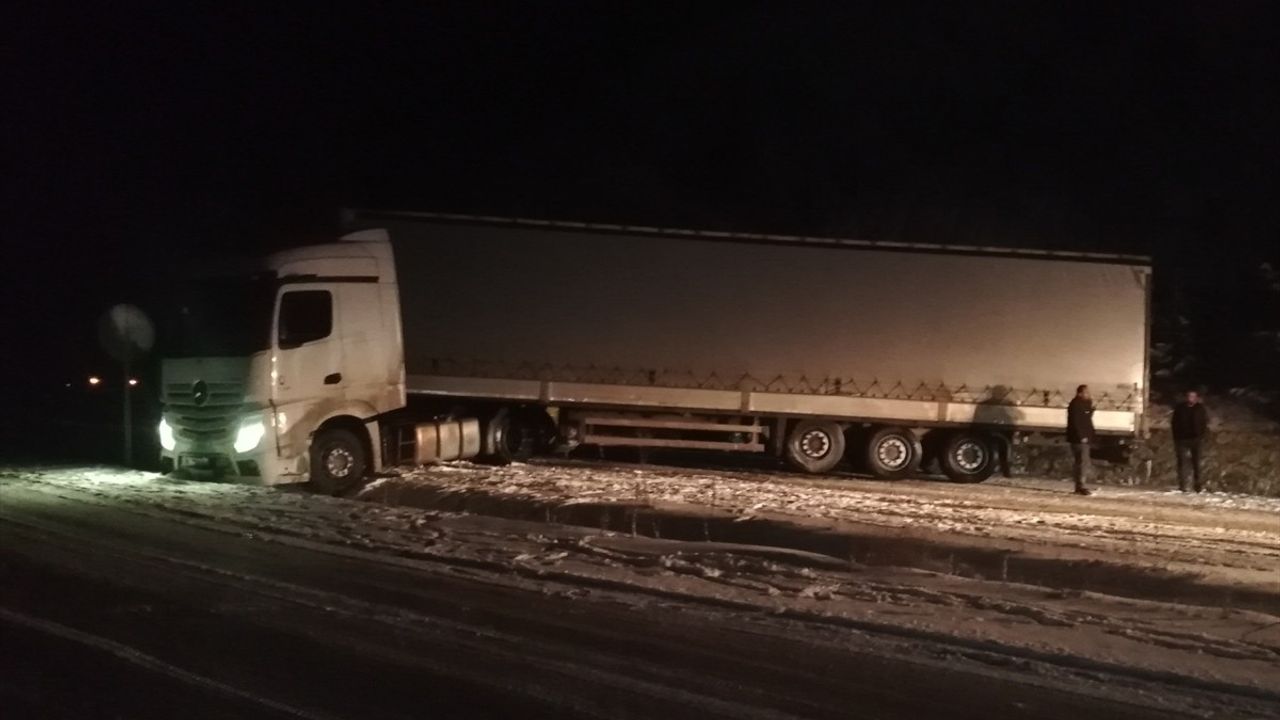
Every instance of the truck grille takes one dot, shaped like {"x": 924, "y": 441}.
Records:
{"x": 212, "y": 420}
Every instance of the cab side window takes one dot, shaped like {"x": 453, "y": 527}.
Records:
{"x": 305, "y": 316}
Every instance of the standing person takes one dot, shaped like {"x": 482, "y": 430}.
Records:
{"x": 1190, "y": 423}
{"x": 1080, "y": 435}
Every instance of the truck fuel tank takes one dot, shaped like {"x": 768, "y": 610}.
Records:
{"x": 447, "y": 440}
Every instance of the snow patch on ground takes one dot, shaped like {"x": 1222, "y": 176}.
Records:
{"x": 1212, "y": 645}
{"x": 1207, "y": 529}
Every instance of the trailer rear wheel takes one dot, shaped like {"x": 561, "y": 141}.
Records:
{"x": 893, "y": 453}
{"x": 968, "y": 457}
{"x": 815, "y": 446}
{"x": 337, "y": 461}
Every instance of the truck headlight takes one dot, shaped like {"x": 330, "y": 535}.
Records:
{"x": 249, "y": 436}
{"x": 166, "y": 436}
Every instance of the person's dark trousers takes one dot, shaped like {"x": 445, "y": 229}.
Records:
{"x": 1083, "y": 464}
{"x": 1188, "y": 455}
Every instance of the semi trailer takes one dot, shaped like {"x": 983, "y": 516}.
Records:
{"x": 421, "y": 338}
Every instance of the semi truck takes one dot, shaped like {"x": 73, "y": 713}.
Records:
{"x": 420, "y": 338}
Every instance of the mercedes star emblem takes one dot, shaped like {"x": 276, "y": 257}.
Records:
{"x": 199, "y": 392}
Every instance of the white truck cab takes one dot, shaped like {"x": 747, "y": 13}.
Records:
{"x": 312, "y": 357}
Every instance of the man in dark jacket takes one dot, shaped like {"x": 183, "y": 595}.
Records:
{"x": 1080, "y": 435}
{"x": 1190, "y": 424}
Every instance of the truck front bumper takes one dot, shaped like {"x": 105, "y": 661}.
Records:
{"x": 253, "y": 468}
{"x": 217, "y": 456}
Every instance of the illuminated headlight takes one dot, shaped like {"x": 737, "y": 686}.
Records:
{"x": 249, "y": 436}
{"x": 166, "y": 436}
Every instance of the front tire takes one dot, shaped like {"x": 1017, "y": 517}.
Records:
{"x": 337, "y": 461}
{"x": 968, "y": 457}
{"x": 815, "y": 446}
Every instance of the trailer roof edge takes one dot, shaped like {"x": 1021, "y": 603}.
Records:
{"x": 352, "y": 215}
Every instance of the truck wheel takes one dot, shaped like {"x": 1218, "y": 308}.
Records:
{"x": 893, "y": 453}
{"x": 815, "y": 446}
{"x": 337, "y": 461}
{"x": 968, "y": 457}
{"x": 517, "y": 434}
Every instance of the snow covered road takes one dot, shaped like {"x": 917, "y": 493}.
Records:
{"x": 270, "y": 603}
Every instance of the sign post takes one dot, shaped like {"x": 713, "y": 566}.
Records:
{"x": 126, "y": 333}
{"x": 127, "y": 389}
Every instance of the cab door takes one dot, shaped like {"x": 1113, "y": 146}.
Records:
{"x": 373, "y": 366}
{"x": 307, "y": 359}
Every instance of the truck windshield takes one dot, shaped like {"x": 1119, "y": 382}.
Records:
{"x": 220, "y": 317}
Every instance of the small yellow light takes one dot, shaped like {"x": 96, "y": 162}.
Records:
{"x": 95, "y": 380}
{"x": 133, "y": 382}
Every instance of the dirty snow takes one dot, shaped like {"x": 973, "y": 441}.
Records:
{"x": 1047, "y": 631}
{"x": 1230, "y": 535}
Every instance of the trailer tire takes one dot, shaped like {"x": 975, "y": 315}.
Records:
{"x": 815, "y": 446}
{"x": 893, "y": 453}
{"x": 968, "y": 456}
{"x": 337, "y": 461}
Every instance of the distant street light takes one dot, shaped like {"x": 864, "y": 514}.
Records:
{"x": 95, "y": 380}
{"x": 133, "y": 382}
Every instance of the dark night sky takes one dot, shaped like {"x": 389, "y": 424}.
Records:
{"x": 136, "y": 140}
